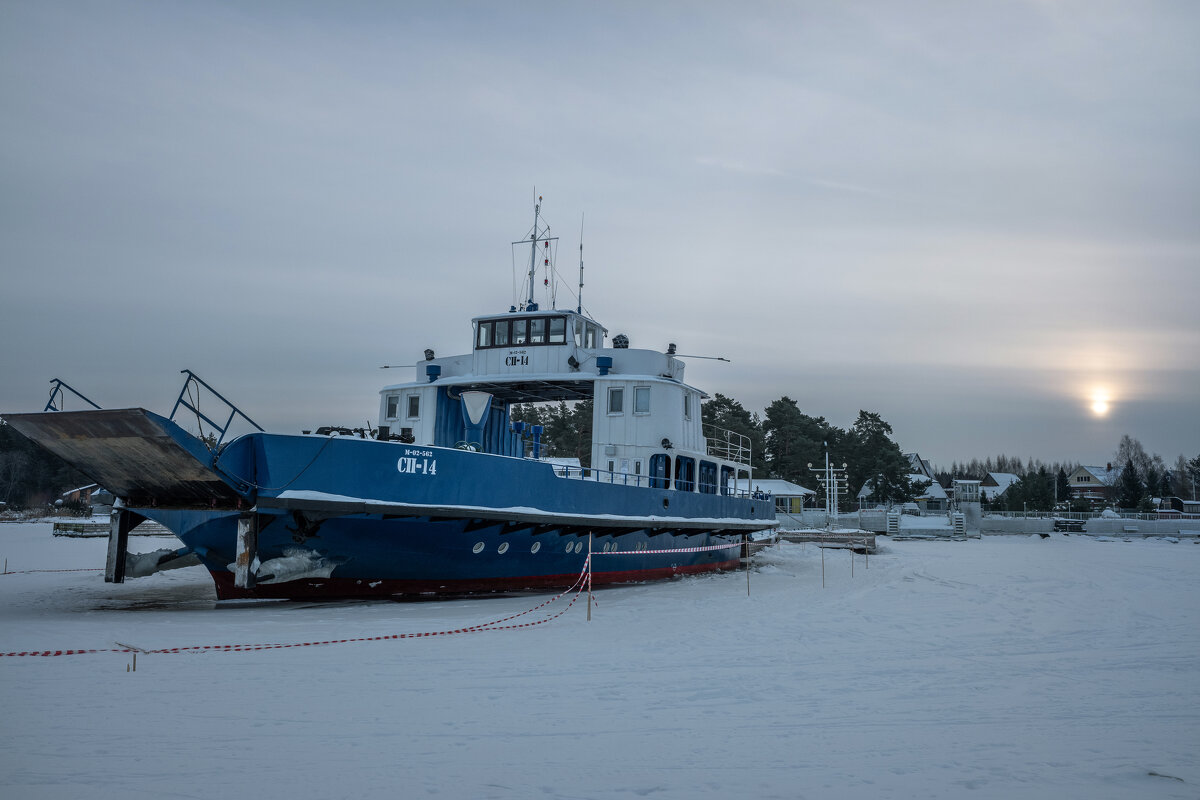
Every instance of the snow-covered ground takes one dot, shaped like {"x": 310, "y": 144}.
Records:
{"x": 995, "y": 668}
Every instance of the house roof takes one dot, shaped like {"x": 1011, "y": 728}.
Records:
{"x": 1108, "y": 477}
{"x": 918, "y": 464}
{"x": 932, "y": 489}
{"x": 781, "y": 488}
{"x": 998, "y": 482}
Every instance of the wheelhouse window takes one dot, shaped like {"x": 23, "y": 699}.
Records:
{"x": 641, "y": 399}
{"x": 393, "y": 406}
{"x": 511, "y": 332}
{"x": 414, "y": 406}
{"x": 687, "y": 405}
{"x": 537, "y": 330}
{"x": 616, "y": 400}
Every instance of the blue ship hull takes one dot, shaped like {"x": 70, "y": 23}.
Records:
{"x": 364, "y": 555}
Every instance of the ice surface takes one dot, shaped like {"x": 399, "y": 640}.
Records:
{"x": 995, "y": 668}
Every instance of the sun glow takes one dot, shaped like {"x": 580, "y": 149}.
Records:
{"x": 1099, "y": 402}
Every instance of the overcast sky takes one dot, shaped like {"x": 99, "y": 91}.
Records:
{"x": 971, "y": 218}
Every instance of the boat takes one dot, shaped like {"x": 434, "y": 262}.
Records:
{"x": 448, "y": 494}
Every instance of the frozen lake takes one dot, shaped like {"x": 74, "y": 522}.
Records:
{"x": 995, "y": 668}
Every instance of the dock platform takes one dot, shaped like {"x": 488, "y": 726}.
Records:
{"x": 856, "y": 540}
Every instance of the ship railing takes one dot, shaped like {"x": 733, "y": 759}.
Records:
{"x": 646, "y": 481}
{"x": 727, "y": 445}
{"x": 192, "y": 403}
{"x": 58, "y": 399}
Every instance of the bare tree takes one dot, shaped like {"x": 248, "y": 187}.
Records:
{"x": 12, "y": 469}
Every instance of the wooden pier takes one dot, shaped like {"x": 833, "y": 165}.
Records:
{"x": 858, "y": 541}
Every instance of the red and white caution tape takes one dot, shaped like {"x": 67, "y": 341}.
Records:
{"x": 30, "y": 571}
{"x": 677, "y": 550}
{"x": 582, "y": 584}
{"x": 494, "y": 625}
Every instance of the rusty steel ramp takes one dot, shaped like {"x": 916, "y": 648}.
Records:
{"x": 141, "y": 457}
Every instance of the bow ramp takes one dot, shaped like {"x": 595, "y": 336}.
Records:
{"x": 137, "y": 455}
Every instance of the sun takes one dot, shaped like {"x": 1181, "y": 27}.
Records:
{"x": 1100, "y": 402}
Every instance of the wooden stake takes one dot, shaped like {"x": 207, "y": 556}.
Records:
{"x": 589, "y": 577}
{"x": 747, "y": 569}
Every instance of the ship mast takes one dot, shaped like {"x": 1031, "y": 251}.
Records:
{"x": 533, "y": 240}
{"x": 540, "y": 233}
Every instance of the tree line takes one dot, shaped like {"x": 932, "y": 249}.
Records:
{"x": 784, "y": 441}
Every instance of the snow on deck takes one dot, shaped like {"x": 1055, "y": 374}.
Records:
{"x": 995, "y": 668}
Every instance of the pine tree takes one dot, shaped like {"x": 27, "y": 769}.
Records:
{"x": 1130, "y": 488}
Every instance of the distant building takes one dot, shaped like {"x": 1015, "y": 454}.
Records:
{"x": 919, "y": 466}
{"x": 966, "y": 491}
{"x": 1094, "y": 484}
{"x": 931, "y": 496}
{"x": 789, "y": 497}
{"x": 995, "y": 484}
{"x": 81, "y": 495}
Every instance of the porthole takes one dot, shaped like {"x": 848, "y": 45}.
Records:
{"x": 666, "y": 502}
{"x": 503, "y": 548}
{"x": 536, "y": 546}
{"x": 478, "y": 548}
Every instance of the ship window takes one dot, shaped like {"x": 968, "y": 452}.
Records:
{"x": 660, "y": 471}
{"x": 708, "y": 477}
{"x": 685, "y": 473}
{"x": 485, "y": 335}
{"x": 520, "y": 331}
{"x": 727, "y": 480}
{"x": 393, "y": 406}
{"x": 637, "y": 467}
{"x": 558, "y": 330}
{"x": 641, "y": 400}
{"x": 589, "y": 340}
{"x": 687, "y": 405}
{"x": 537, "y": 330}
{"x": 579, "y": 333}
{"x": 616, "y": 400}
{"x": 414, "y": 406}
{"x": 501, "y": 336}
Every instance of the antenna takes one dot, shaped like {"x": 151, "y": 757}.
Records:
{"x": 579, "y": 298}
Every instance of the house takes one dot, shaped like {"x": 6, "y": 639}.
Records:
{"x": 789, "y": 497}
{"x": 966, "y": 491}
{"x": 931, "y": 496}
{"x": 1094, "y": 484}
{"x": 81, "y": 495}
{"x": 995, "y": 484}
